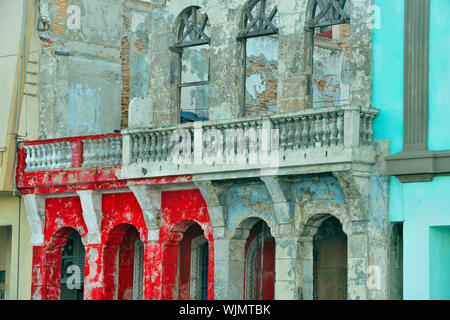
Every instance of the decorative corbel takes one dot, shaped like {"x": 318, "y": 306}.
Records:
{"x": 216, "y": 209}
{"x": 35, "y": 206}
{"x": 91, "y": 203}
{"x": 283, "y": 210}
{"x": 149, "y": 199}
{"x": 356, "y": 190}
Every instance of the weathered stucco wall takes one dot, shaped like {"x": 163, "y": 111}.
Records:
{"x": 82, "y": 78}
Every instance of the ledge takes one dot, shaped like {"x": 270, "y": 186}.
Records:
{"x": 419, "y": 166}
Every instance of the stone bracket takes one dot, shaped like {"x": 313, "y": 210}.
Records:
{"x": 91, "y": 203}
{"x": 356, "y": 190}
{"x": 35, "y": 206}
{"x": 283, "y": 210}
{"x": 149, "y": 199}
{"x": 216, "y": 209}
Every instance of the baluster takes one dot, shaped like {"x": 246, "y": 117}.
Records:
{"x": 333, "y": 130}
{"x": 165, "y": 146}
{"x": 58, "y": 156}
{"x": 370, "y": 129}
{"x": 363, "y": 129}
{"x": 305, "y": 132}
{"x": 49, "y": 156}
{"x": 118, "y": 156}
{"x": 134, "y": 152}
{"x": 141, "y": 147}
{"x": 312, "y": 133}
{"x": 36, "y": 157}
{"x": 290, "y": 133}
{"x": 326, "y": 130}
{"x": 283, "y": 134}
{"x": 297, "y": 133}
{"x": 32, "y": 157}
{"x": 340, "y": 128}
{"x": 111, "y": 150}
{"x": 147, "y": 147}
{"x": 86, "y": 153}
{"x": 158, "y": 146}
{"x": 151, "y": 149}
{"x": 28, "y": 157}
{"x": 319, "y": 130}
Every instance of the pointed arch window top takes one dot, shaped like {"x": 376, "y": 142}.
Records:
{"x": 328, "y": 12}
{"x": 194, "y": 28}
{"x": 259, "y": 20}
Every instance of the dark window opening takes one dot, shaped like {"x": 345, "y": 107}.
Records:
{"x": 260, "y": 58}
{"x": 193, "y": 65}
{"x": 72, "y": 268}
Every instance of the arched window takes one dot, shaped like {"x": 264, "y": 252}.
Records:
{"x": 330, "y": 52}
{"x": 193, "y": 74}
{"x": 259, "y": 34}
{"x": 72, "y": 268}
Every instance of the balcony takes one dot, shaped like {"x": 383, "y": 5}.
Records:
{"x": 302, "y": 142}
{"x": 67, "y": 162}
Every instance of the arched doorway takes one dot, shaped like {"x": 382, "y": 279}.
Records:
{"x": 260, "y": 263}
{"x": 72, "y": 268}
{"x": 123, "y": 264}
{"x": 186, "y": 263}
{"x": 330, "y": 261}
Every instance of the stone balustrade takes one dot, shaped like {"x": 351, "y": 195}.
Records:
{"x": 102, "y": 152}
{"x": 50, "y": 156}
{"x": 60, "y": 154}
{"x": 303, "y": 138}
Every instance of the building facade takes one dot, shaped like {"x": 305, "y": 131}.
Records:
{"x": 412, "y": 97}
{"x": 208, "y": 150}
{"x": 19, "y": 119}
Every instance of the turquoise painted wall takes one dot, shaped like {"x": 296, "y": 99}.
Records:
{"x": 439, "y": 129}
{"x": 440, "y": 263}
{"x": 419, "y": 205}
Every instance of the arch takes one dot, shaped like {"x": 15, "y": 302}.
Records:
{"x": 330, "y": 261}
{"x": 311, "y": 215}
{"x": 119, "y": 263}
{"x": 181, "y": 262}
{"x": 54, "y": 263}
{"x": 72, "y": 268}
{"x": 252, "y": 250}
{"x": 248, "y": 222}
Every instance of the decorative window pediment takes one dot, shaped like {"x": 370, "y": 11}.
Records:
{"x": 328, "y": 13}
{"x": 194, "y": 28}
{"x": 259, "y": 20}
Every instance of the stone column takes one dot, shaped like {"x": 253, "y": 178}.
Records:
{"x": 357, "y": 261}
{"x": 91, "y": 203}
{"x": 35, "y": 207}
{"x": 93, "y": 272}
{"x": 152, "y": 270}
{"x": 229, "y": 271}
{"x": 306, "y": 260}
{"x": 286, "y": 268}
{"x": 38, "y": 273}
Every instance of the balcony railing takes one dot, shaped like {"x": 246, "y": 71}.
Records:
{"x": 297, "y": 142}
{"x": 57, "y": 154}
{"x": 302, "y": 138}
